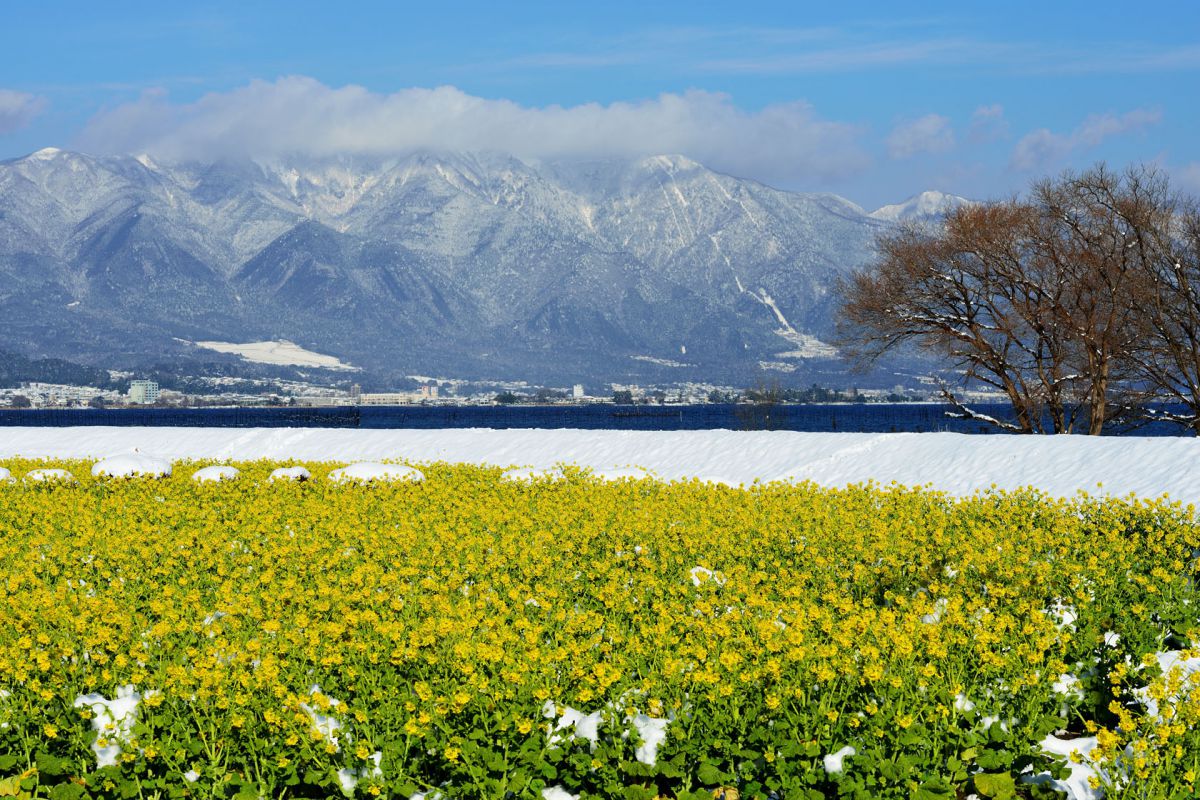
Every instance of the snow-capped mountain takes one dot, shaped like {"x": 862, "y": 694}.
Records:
{"x": 922, "y": 207}
{"x": 466, "y": 265}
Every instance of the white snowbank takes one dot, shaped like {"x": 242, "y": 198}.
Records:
{"x": 112, "y": 720}
{"x": 956, "y": 463}
{"x": 5, "y": 475}
{"x": 49, "y": 476}
{"x": 290, "y": 474}
{"x": 132, "y": 465}
{"x": 215, "y": 474}
{"x": 371, "y": 471}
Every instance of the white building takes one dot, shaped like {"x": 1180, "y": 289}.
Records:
{"x": 144, "y": 392}
{"x": 577, "y": 391}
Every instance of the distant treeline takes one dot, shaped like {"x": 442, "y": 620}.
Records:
{"x": 16, "y": 369}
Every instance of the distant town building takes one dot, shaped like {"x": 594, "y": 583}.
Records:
{"x": 355, "y": 392}
{"x": 577, "y": 391}
{"x": 143, "y": 392}
{"x": 429, "y": 392}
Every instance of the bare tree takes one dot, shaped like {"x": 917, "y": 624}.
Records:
{"x": 1093, "y": 234}
{"x": 1168, "y": 355}
{"x": 965, "y": 291}
{"x": 1041, "y": 299}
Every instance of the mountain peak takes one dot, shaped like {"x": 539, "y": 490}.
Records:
{"x": 923, "y": 206}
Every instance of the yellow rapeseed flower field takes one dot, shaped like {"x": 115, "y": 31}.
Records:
{"x": 636, "y": 639}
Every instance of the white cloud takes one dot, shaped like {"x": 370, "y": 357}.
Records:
{"x": 1043, "y": 148}
{"x": 17, "y": 109}
{"x": 299, "y": 115}
{"x": 929, "y": 134}
{"x": 1188, "y": 176}
{"x": 988, "y": 124}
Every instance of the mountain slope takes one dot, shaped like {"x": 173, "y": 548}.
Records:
{"x": 467, "y": 265}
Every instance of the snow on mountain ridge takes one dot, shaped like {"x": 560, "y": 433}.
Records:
{"x": 456, "y": 258}
{"x": 923, "y": 206}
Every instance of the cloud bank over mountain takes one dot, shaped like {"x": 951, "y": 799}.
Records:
{"x": 17, "y": 109}
{"x": 302, "y": 116}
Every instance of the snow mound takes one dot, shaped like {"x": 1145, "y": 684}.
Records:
{"x": 557, "y": 793}
{"x": 215, "y": 474}
{"x": 131, "y": 466}
{"x": 5, "y": 475}
{"x": 50, "y": 476}
{"x": 532, "y": 474}
{"x": 368, "y": 471}
{"x": 621, "y": 474}
{"x": 290, "y": 474}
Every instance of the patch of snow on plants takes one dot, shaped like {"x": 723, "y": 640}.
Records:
{"x": 50, "y": 476}
{"x": 132, "y": 465}
{"x": 557, "y": 793}
{"x": 1077, "y": 785}
{"x": 324, "y": 724}
{"x": 1186, "y": 663}
{"x": 215, "y": 474}
{"x": 112, "y": 720}
{"x": 349, "y": 778}
{"x": 700, "y": 575}
{"x": 1068, "y": 685}
{"x": 1065, "y": 614}
{"x": 833, "y": 761}
{"x": 571, "y": 724}
{"x": 368, "y": 471}
{"x": 653, "y": 732}
{"x": 290, "y": 474}
{"x": 5, "y": 475}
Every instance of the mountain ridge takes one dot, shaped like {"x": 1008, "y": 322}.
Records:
{"x": 471, "y": 263}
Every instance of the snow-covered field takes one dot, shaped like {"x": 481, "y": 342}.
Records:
{"x": 282, "y": 352}
{"x": 955, "y": 463}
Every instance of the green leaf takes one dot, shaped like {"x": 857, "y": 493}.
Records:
{"x": 709, "y": 774}
{"x": 7, "y": 762}
{"x": 933, "y": 789}
{"x": 51, "y": 766}
{"x": 996, "y": 785}
{"x": 66, "y": 791}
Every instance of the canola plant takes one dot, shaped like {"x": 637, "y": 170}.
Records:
{"x": 470, "y": 637}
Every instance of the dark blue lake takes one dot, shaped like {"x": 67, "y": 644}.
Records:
{"x": 852, "y": 417}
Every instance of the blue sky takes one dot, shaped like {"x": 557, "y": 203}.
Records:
{"x": 874, "y": 101}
